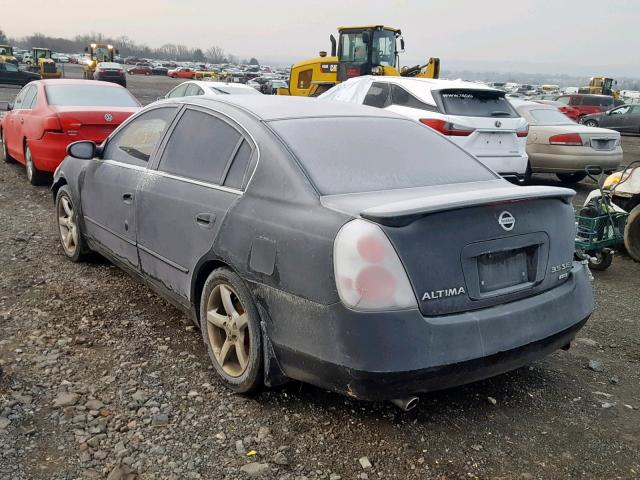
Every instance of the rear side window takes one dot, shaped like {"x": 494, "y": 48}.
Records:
{"x": 476, "y": 103}
{"x": 200, "y": 147}
{"x": 564, "y": 100}
{"x": 29, "y": 97}
{"x": 89, "y": 96}
{"x": 193, "y": 90}
{"x": 379, "y": 95}
{"x": 236, "y": 175}
{"x": 399, "y": 96}
{"x": 368, "y": 154}
{"x": 598, "y": 101}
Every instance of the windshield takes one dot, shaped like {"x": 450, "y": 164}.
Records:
{"x": 6, "y": 50}
{"x": 105, "y": 65}
{"x": 353, "y": 49}
{"x": 548, "y": 116}
{"x": 102, "y": 54}
{"x": 476, "y": 103}
{"x": 233, "y": 90}
{"x": 371, "y": 154}
{"x": 89, "y": 96}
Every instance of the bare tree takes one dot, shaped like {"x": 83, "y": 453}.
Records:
{"x": 215, "y": 54}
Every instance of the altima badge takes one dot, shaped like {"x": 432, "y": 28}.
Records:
{"x": 108, "y": 117}
{"x": 507, "y": 221}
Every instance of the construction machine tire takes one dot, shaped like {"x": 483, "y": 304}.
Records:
{"x": 632, "y": 234}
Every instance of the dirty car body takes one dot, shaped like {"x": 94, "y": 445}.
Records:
{"x": 384, "y": 262}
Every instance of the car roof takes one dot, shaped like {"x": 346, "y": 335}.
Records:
{"x": 275, "y": 107}
{"x": 431, "y": 83}
{"x": 207, "y": 84}
{"x": 71, "y": 81}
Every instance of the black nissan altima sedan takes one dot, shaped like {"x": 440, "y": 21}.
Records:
{"x": 336, "y": 244}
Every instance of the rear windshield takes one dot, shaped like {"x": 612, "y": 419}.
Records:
{"x": 476, "y": 103}
{"x": 350, "y": 155}
{"x": 548, "y": 116}
{"x": 89, "y": 96}
{"x": 234, "y": 90}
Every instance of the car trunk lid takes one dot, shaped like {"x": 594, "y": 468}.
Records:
{"x": 471, "y": 246}
{"x": 92, "y": 123}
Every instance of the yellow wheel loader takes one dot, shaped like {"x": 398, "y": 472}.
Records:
{"x": 43, "y": 64}
{"x": 6, "y": 55}
{"x": 601, "y": 86}
{"x": 361, "y": 50}
{"x": 97, "y": 52}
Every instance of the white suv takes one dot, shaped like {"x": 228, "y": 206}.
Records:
{"x": 478, "y": 118}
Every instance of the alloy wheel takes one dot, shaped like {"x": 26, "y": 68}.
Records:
{"x": 67, "y": 225}
{"x": 228, "y": 330}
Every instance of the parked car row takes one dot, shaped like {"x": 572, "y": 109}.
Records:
{"x": 429, "y": 269}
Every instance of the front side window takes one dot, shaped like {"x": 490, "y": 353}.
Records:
{"x": 135, "y": 143}
{"x": 621, "y": 111}
{"x": 89, "y": 96}
{"x": 200, "y": 147}
{"x": 23, "y": 96}
{"x": 9, "y": 67}
{"x": 30, "y": 98}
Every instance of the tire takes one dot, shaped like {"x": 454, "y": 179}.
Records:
{"x": 5, "y": 153}
{"x": 526, "y": 179}
{"x": 590, "y": 123}
{"x": 219, "y": 328}
{"x": 77, "y": 249}
{"x": 574, "y": 177}
{"x": 603, "y": 260}
{"x": 35, "y": 176}
{"x": 632, "y": 234}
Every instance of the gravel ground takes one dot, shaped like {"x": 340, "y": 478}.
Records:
{"x": 100, "y": 378}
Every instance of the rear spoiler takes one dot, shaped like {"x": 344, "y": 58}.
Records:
{"x": 406, "y": 211}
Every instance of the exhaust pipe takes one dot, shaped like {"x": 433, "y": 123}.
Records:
{"x": 406, "y": 404}
{"x": 333, "y": 45}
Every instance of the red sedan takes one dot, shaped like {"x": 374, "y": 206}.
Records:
{"x": 140, "y": 70}
{"x": 182, "y": 72}
{"x": 47, "y": 115}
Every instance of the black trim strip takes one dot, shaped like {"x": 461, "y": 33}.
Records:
{"x": 121, "y": 237}
{"x": 163, "y": 259}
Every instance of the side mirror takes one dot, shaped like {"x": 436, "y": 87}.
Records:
{"x": 401, "y": 44}
{"x": 366, "y": 38}
{"x": 86, "y": 49}
{"x": 6, "y": 106}
{"x": 83, "y": 150}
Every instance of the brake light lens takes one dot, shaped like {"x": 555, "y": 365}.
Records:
{"x": 568, "y": 139}
{"x": 52, "y": 125}
{"x": 447, "y": 128}
{"x": 353, "y": 71}
{"x": 523, "y": 132}
{"x": 369, "y": 274}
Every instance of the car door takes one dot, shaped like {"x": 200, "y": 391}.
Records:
{"x": 4, "y": 75}
{"x": 111, "y": 182}
{"x": 183, "y": 204}
{"x": 13, "y": 124}
{"x": 615, "y": 119}
{"x": 633, "y": 119}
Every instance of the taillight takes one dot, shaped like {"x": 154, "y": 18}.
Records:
{"x": 523, "y": 132}
{"x": 52, "y": 125}
{"x": 369, "y": 274}
{"x": 566, "y": 139}
{"x": 353, "y": 71}
{"x": 446, "y": 128}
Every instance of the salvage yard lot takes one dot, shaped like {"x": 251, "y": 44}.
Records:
{"x": 140, "y": 392}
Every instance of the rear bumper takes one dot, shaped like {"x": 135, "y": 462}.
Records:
{"x": 49, "y": 151}
{"x": 379, "y": 356}
{"x": 574, "y": 159}
{"x": 506, "y": 166}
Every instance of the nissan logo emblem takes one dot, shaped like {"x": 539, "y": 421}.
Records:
{"x": 507, "y": 221}
{"x": 108, "y": 117}
{"x": 498, "y": 124}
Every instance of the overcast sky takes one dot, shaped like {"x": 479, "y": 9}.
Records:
{"x": 598, "y": 34}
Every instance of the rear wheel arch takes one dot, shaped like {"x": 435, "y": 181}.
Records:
{"x": 201, "y": 273}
